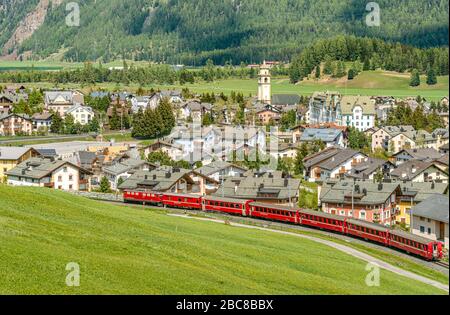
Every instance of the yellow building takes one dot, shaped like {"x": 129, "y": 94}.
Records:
{"x": 10, "y": 157}
{"x": 412, "y": 194}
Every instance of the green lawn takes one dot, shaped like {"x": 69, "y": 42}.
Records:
{"x": 134, "y": 251}
{"x": 367, "y": 83}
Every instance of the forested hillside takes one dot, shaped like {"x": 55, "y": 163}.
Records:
{"x": 192, "y": 31}
{"x": 11, "y": 13}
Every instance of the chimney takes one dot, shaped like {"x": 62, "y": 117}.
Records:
{"x": 413, "y": 169}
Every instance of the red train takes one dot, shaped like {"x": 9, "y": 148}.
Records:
{"x": 430, "y": 250}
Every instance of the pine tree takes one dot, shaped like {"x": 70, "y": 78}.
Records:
{"x": 328, "y": 67}
{"x": 431, "y": 76}
{"x": 166, "y": 112}
{"x": 415, "y": 78}
{"x": 318, "y": 72}
{"x": 114, "y": 120}
{"x": 105, "y": 186}
{"x": 57, "y": 123}
{"x": 351, "y": 74}
{"x": 69, "y": 124}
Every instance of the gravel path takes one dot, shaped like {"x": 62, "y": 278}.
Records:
{"x": 342, "y": 248}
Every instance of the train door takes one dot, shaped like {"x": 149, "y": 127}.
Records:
{"x": 203, "y": 201}
{"x": 435, "y": 250}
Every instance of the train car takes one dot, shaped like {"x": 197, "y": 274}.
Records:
{"x": 428, "y": 249}
{"x": 322, "y": 220}
{"x": 227, "y": 205}
{"x": 142, "y": 196}
{"x": 182, "y": 201}
{"x": 273, "y": 212}
{"x": 368, "y": 231}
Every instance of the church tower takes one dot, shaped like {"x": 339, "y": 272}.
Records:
{"x": 264, "y": 87}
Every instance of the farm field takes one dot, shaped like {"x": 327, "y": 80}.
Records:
{"x": 129, "y": 250}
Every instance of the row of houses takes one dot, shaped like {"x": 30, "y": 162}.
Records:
{"x": 422, "y": 206}
{"x": 408, "y": 165}
{"x": 84, "y": 169}
{"x": 359, "y": 112}
{"x": 396, "y": 138}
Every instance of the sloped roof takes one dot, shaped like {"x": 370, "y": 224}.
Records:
{"x": 348, "y": 103}
{"x": 250, "y": 187}
{"x": 366, "y": 168}
{"x": 411, "y": 169}
{"x": 216, "y": 166}
{"x": 12, "y": 153}
{"x": 160, "y": 179}
{"x": 124, "y": 166}
{"x": 38, "y": 168}
{"x": 364, "y": 192}
{"x": 325, "y": 134}
{"x": 285, "y": 99}
{"x": 434, "y": 207}
{"x": 423, "y": 154}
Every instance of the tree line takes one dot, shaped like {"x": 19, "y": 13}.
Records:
{"x": 371, "y": 53}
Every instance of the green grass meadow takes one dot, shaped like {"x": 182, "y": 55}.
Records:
{"x": 131, "y": 250}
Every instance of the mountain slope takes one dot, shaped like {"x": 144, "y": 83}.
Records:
{"x": 191, "y": 31}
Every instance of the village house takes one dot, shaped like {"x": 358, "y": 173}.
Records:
{"x": 268, "y": 114}
{"x": 82, "y": 115}
{"x": 418, "y": 171}
{"x": 430, "y": 219}
{"x": 219, "y": 170}
{"x": 331, "y": 163}
{"x": 61, "y": 101}
{"x": 413, "y": 193}
{"x": 42, "y": 121}
{"x": 381, "y": 139}
{"x": 10, "y": 157}
{"x": 363, "y": 200}
{"x": 15, "y": 124}
{"x": 49, "y": 173}
{"x": 282, "y": 150}
{"x": 424, "y": 155}
{"x": 8, "y": 100}
{"x": 358, "y": 112}
{"x": 91, "y": 161}
{"x": 269, "y": 188}
{"x": 170, "y": 180}
{"x": 195, "y": 110}
{"x": 325, "y": 107}
{"x": 369, "y": 168}
{"x": 122, "y": 169}
{"x": 329, "y": 136}
{"x": 174, "y": 151}
{"x": 298, "y": 130}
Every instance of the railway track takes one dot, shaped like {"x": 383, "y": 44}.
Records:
{"x": 438, "y": 266}
{"x": 442, "y": 264}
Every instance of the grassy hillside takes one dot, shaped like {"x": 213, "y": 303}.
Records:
{"x": 367, "y": 83}
{"x": 134, "y": 251}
